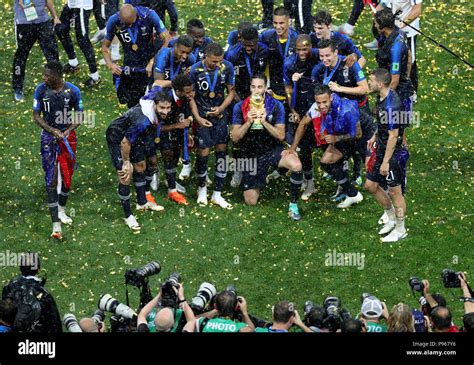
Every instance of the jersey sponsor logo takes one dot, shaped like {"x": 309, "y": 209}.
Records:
{"x": 35, "y": 103}
{"x": 396, "y": 66}
{"x": 361, "y": 74}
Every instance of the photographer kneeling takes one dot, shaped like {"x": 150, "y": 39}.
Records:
{"x": 164, "y": 313}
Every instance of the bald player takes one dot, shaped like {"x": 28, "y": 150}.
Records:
{"x": 133, "y": 25}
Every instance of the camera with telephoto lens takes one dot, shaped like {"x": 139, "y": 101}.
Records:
{"x": 71, "y": 323}
{"x": 124, "y": 318}
{"x": 332, "y": 305}
{"x": 308, "y": 306}
{"x": 451, "y": 278}
{"x": 138, "y": 277}
{"x": 205, "y": 294}
{"x": 168, "y": 296}
{"x": 98, "y": 316}
{"x": 110, "y": 304}
{"x": 416, "y": 284}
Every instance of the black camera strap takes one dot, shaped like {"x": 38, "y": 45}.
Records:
{"x": 432, "y": 40}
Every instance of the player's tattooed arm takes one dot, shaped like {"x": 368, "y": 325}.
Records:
{"x": 41, "y": 122}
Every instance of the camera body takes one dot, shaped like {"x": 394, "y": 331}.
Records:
{"x": 416, "y": 284}
{"x": 451, "y": 278}
{"x": 168, "y": 296}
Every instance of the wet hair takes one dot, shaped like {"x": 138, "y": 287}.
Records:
{"x": 322, "y": 17}
{"x": 322, "y": 89}
{"x": 162, "y": 97}
{"x": 385, "y": 19}
{"x": 242, "y": 26}
{"x": 194, "y": 23}
{"x": 249, "y": 34}
{"x": 55, "y": 67}
{"x": 281, "y": 11}
{"x": 260, "y": 76}
{"x": 181, "y": 81}
{"x": 214, "y": 49}
{"x": 303, "y": 38}
{"x": 325, "y": 43}
{"x": 186, "y": 41}
{"x": 382, "y": 75}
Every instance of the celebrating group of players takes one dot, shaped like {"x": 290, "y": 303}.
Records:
{"x": 276, "y": 94}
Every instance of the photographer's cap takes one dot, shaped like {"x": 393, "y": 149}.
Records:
{"x": 371, "y": 307}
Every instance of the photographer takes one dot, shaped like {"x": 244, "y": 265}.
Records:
{"x": 441, "y": 320}
{"x": 37, "y": 310}
{"x": 315, "y": 317}
{"x": 284, "y": 317}
{"x": 7, "y": 315}
{"x": 226, "y": 305}
{"x": 468, "y": 305}
{"x": 89, "y": 325}
{"x": 401, "y": 319}
{"x": 373, "y": 311}
{"x": 164, "y": 319}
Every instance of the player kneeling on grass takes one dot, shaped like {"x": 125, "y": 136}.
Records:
{"x": 383, "y": 164}
{"x": 126, "y": 142}
{"x": 336, "y": 125}
{"x": 258, "y": 125}
{"x": 54, "y": 101}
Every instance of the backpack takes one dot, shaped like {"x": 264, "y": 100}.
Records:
{"x": 27, "y": 295}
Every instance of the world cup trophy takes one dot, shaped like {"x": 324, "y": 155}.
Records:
{"x": 257, "y": 104}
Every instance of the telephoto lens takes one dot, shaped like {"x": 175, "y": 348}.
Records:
{"x": 109, "y": 304}
{"x": 231, "y": 288}
{"x": 308, "y": 305}
{"x": 175, "y": 279}
{"x": 150, "y": 269}
{"x": 98, "y": 316}
{"x": 70, "y": 322}
{"x": 205, "y": 293}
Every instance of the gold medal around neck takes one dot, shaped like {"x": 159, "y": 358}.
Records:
{"x": 212, "y": 94}
{"x": 135, "y": 47}
{"x": 157, "y": 140}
